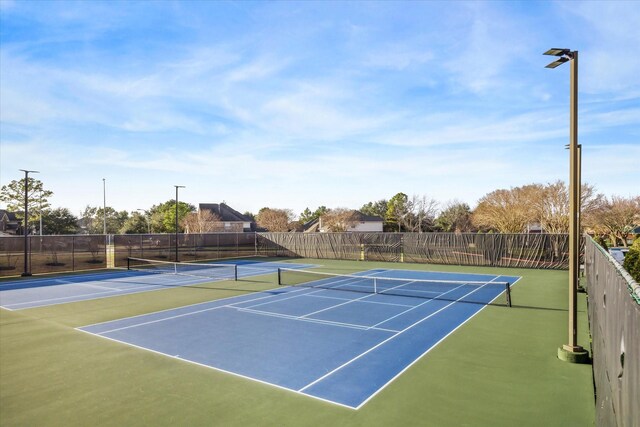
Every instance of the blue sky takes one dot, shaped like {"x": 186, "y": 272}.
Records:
{"x": 302, "y": 104}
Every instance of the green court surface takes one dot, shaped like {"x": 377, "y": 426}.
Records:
{"x": 498, "y": 369}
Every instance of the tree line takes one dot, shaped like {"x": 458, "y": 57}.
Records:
{"x": 514, "y": 210}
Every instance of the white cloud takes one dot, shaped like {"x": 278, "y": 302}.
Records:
{"x": 340, "y": 118}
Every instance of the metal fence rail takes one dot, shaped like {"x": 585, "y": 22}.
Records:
{"x": 614, "y": 320}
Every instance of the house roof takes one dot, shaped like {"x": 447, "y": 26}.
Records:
{"x": 369, "y": 218}
{"x": 11, "y": 216}
{"x": 225, "y": 212}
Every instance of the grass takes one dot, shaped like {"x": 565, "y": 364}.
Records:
{"x": 499, "y": 369}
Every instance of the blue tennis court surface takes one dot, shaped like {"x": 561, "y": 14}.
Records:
{"x": 41, "y": 292}
{"x": 339, "y": 346}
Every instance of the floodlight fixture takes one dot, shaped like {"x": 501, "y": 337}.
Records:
{"x": 558, "y": 62}
{"x": 557, "y": 52}
{"x": 146, "y": 218}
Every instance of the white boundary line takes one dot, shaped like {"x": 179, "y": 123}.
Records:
{"x": 387, "y": 340}
{"x": 368, "y": 302}
{"x": 90, "y": 296}
{"x": 310, "y": 320}
{"x": 117, "y": 292}
{"x": 432, "y": 347}
{"x": 235, "y": 374}
{"x": 172, "y": 317}
{"x": 300, "y": 391}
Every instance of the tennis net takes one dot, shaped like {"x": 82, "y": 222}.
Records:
{"x": 210, "y": 271}
{"x": 451, "y": 290}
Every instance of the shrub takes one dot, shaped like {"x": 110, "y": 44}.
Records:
{"x": 632, "y": 260}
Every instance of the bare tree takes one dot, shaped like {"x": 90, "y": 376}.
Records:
{"x": 420, "y": 214}
{"x": 505, "y": 211}
{"x": 275, "y": 219}
{"x": 616, "y": 218}
{"x": 339, "y": 219}
{"x": 551, "y": 205}
{"x": 203, "y": 221}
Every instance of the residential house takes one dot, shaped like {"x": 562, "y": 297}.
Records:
{"x": 357, "y": 222}
{"x": 9, "y": 223}
{"x": 231, "y": 219}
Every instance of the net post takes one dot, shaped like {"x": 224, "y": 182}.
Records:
{"x": 375, "y": 286}
{"x": 128, "y": 263}
{"x": 508, "y": 294}
{"x": 235, "y": 272}
{"x": 279, "y": 277}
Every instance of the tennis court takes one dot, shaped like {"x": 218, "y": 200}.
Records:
{"x": 340, "y": 339}
{"x": 22, "y": 294}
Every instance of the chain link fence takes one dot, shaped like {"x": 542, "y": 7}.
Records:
{"x": 191, "y": 247}
{"x": 52, "y": 254}
{"x": 545, "y": 251}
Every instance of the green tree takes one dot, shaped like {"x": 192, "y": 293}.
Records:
{"x": 92, "y": 219}
{"x": 396, "y": 210}
{"x": 163, "y": 216}
{"x": 38, "y": 198}
{"x": 307, "y": 215}
{"x": 378, "y": 208}
{"x": 135, "y": 224}
{"x": 59, "y": 221}
{"x": 455, "y": 217}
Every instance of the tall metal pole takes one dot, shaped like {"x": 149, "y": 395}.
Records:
{"x": 574, "y": 203}
{"x": 177, "y": 186}
{"x": 579, "y": 220}
{"x": 104, "y": 207}
{"x": 41, "y": 214}
{"x": 25, "y": 227}
{"x": 572, "y": 352}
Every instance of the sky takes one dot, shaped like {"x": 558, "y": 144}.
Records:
{"x": 303, "y": 104}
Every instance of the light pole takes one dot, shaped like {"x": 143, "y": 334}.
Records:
{"x": 104, "y": 207}
{"x": 41, "y": 213}
{"x": 572, "y": 352}
{"x": 177, "y": 186}
{"x": 146, "y": 220}
{"x": 25, "y": 227}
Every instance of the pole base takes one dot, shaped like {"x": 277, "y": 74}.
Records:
{"x": 573, "y": 354}
{"x": 26, "y": 274}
